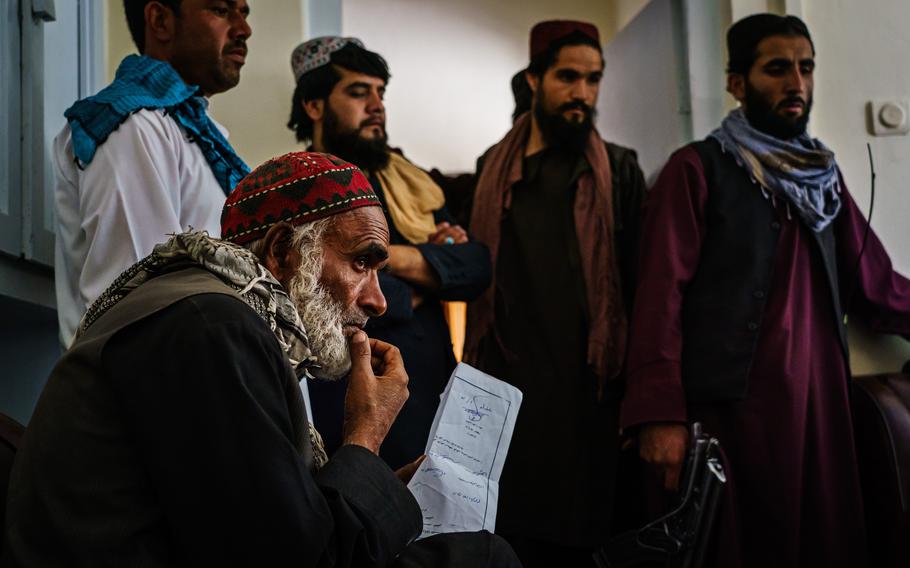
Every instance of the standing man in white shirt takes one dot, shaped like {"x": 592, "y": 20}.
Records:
{"x": 142, "y": 158}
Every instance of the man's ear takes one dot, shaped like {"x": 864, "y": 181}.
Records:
{"x": 533, "y": 81}
{"x": 279, "y": 255}
{"x": 314, "y": 109}
{"x": 736, "y": 86}
{"x": 160, "y": 24}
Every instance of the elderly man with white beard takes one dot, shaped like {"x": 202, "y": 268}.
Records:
{"x": 174, "y": 430}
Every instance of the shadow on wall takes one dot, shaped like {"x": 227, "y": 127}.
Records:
{"x": 29, "y": 349}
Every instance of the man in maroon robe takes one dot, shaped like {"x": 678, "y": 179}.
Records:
{"x": 752, "y": 255}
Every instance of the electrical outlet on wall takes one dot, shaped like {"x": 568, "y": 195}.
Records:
{"x": 889, "y": 117}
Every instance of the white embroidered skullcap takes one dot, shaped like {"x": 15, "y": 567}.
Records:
{"x": 317, "y": 52}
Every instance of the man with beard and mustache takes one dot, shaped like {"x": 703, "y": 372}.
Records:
{"x": 174, "y": 431}
{"x": 559, "y": 208}
{"x": 142, "y": 159}
{"x": 752, "y": 255}
{"x": 338, "y": 107}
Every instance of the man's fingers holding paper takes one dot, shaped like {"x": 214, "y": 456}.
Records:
{"x": 377, "y": 389}
{"x": 406, "y": 472}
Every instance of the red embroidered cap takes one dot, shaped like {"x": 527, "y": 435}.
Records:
{"x": 545, "y": 33}
{"x": 297, "y": 188}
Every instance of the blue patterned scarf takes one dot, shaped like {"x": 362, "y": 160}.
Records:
{"x": 801, "y": 170}
{"x": 145, "y": 83}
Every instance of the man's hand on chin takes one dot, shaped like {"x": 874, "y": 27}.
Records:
{"x": 377, "y": 389}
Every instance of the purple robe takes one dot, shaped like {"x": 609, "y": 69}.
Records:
{"x": 793, "y": 495}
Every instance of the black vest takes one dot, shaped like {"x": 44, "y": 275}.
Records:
{"x": 725, "y": 301}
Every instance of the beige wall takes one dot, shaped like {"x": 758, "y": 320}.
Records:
{"x": 257, "y": 110}
{"x": 451, "y": 61}
{"x": 624, "y": 11}
{"x": 119, "y": 43}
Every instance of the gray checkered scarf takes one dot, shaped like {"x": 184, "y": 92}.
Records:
{"x": 801, "y": 171}
{"x": 238, "y": 268}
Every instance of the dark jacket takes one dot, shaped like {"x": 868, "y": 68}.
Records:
{"x": 724, "y": 302}
{"x": 629, "y": 192}
{"x": 565, "y": 437}
{"x": 174, "y": 433}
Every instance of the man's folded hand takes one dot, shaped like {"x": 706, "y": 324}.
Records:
{"x": 377, "y": 389}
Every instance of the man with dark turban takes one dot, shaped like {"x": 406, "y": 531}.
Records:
{"x": 753, "y": 254}
{"x": 175, "y": 432}
{"x": 338, "y": 107}
{"x": 558, "y": 207}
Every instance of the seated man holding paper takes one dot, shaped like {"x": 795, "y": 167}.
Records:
{"x": 174, "y": 430}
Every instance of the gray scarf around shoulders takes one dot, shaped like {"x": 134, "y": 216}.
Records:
{"x": 239, "y": 269}
{"x": 802, "y": 171}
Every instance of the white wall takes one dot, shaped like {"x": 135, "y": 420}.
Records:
{"x": 705, "y": 30}
{"x": 664, "y": 81}
{"x": 639, "y": 103}
{"x": 449, "y": 97}
{"x": 862, "y": 55}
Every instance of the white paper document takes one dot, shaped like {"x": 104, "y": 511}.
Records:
{"x": 457, "y": 486}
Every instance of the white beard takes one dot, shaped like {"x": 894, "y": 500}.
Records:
{"x": 324, "y": 320}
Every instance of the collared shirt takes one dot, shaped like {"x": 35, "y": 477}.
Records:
{"x": 146, "y": 180}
